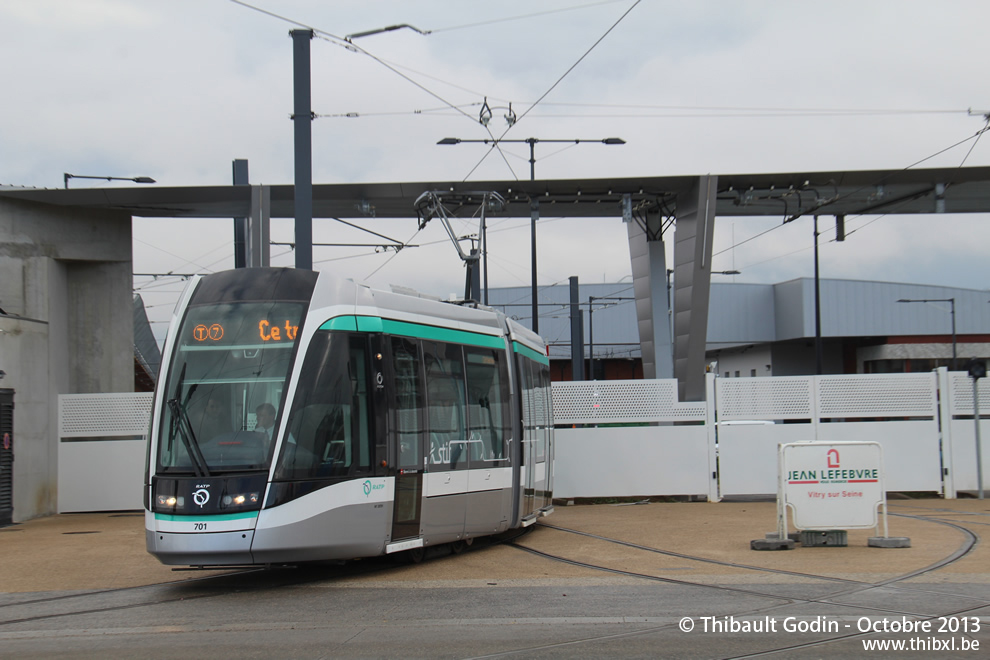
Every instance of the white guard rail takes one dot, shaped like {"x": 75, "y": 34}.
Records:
{"x": 745, "y": 419}
{"x": 102, "y": 440}
{"x": 959, "y": 434}
{"x": 626, "y": 438}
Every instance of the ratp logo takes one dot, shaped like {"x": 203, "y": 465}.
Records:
{"x": 369, "y": 487}
{"x": 201, "y": 497}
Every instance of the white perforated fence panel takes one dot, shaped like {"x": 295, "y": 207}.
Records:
{"x": 622, "y": 401}
{"x": 104, "y": 415}
{"x": 878, "y": 395}
{"x": 961, "y": 394}
{"x": 102, "y": 443}
{"x": 764, "y": 398}
{"x": 962, "y": 431}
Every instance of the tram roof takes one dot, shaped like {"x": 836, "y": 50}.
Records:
{"x": 948, "y": 190}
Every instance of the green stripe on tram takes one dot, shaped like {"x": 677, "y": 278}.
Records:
{"x": 216, "y": 518}
{"x": 530, "y": 353}
{"x": 346, "y": 323}
{"x": 418, "y": 330}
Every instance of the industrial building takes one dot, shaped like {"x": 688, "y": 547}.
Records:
{"x": 758, "y": 330}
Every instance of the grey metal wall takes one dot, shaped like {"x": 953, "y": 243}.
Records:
{"x": 745, "y": 313}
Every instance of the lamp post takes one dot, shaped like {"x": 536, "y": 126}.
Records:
{"x": 977, "y": 370}
{"x": 952, "y": 309}
{"x": 534, "y": 208}
{"x": 819, "y": 357}
{"x": 591, "y": 328}
{"x": 136, "y": 179}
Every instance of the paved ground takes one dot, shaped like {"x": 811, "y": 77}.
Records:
{"x": 82, "y": 585}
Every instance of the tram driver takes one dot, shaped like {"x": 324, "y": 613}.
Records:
{"x": 265, "y": 416}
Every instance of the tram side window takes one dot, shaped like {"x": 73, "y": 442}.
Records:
{"x": 527, "y": 397}
{"x": 536, "y": 414}
{"x": 329, "y": 429}
{"x": 445, "y": 404}
{"x": 488, "y": 399}
{"x": 408, "y": 401}
{"x": 541, "y": 378}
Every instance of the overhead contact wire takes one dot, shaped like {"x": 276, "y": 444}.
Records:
{"x": 558, "y": 81}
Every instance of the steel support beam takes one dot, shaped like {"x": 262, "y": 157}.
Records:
{"x": 577, "y": 332}
{"x": 650, "y": 283}
{"x": 240, "y": 171}
{"x": 258, "y": 230}
{"x": 692, "y": 284}
{"x": 302, "y": 120}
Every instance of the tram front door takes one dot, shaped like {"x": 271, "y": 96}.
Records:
{"x": 406, "y": 440}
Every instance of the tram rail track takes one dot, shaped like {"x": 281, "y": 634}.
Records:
{"x": 303, "y": 574}
{"x": 179, "y": 590}
{"x": 971, "y": 539}
{"x": 259, "y": 579}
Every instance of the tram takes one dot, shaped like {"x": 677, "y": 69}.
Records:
{"x": 301, "y": 417}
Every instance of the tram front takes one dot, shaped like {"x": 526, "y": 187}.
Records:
{"x": 221, "y": 392}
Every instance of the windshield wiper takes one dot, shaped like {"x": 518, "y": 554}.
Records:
{"x": 188, "y": 438}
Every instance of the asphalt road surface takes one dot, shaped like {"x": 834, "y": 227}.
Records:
{"x": 671, "y": 580}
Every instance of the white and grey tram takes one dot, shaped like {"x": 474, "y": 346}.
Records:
{"x": 300, "y": 417}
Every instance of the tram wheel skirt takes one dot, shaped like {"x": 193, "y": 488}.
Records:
{"x": 217, "y": 549}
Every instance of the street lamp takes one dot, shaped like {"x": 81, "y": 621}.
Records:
{"x": 136, "y": 179}
{"x": 952, "y": 303}
{"x": 390, "y": 28}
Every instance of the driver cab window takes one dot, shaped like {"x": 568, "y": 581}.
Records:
{"x": 329, "y": 431}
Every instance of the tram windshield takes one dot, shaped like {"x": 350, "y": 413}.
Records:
{"x": 225, "y": 386}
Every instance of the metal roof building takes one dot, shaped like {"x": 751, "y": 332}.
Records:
{"x": 769, "y": 329}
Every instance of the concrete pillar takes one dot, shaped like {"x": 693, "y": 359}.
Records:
{"x": 66, "y": 289}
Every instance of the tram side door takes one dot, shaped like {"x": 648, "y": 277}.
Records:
{"x": 406, "y": 438}
{"x": 529, "y": 431}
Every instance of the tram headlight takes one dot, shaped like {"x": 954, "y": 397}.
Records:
{"x": 243, "y": 499}
{"x": 167, "y": 498}
{"x": 171, "y": 501}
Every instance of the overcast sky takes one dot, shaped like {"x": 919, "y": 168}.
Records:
{"x": 176, "y": 90}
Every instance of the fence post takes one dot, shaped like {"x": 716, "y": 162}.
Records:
{"x": 816, "y": 413}
{"x": 944, "y": 394}
{"x": 711, "y": 418}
